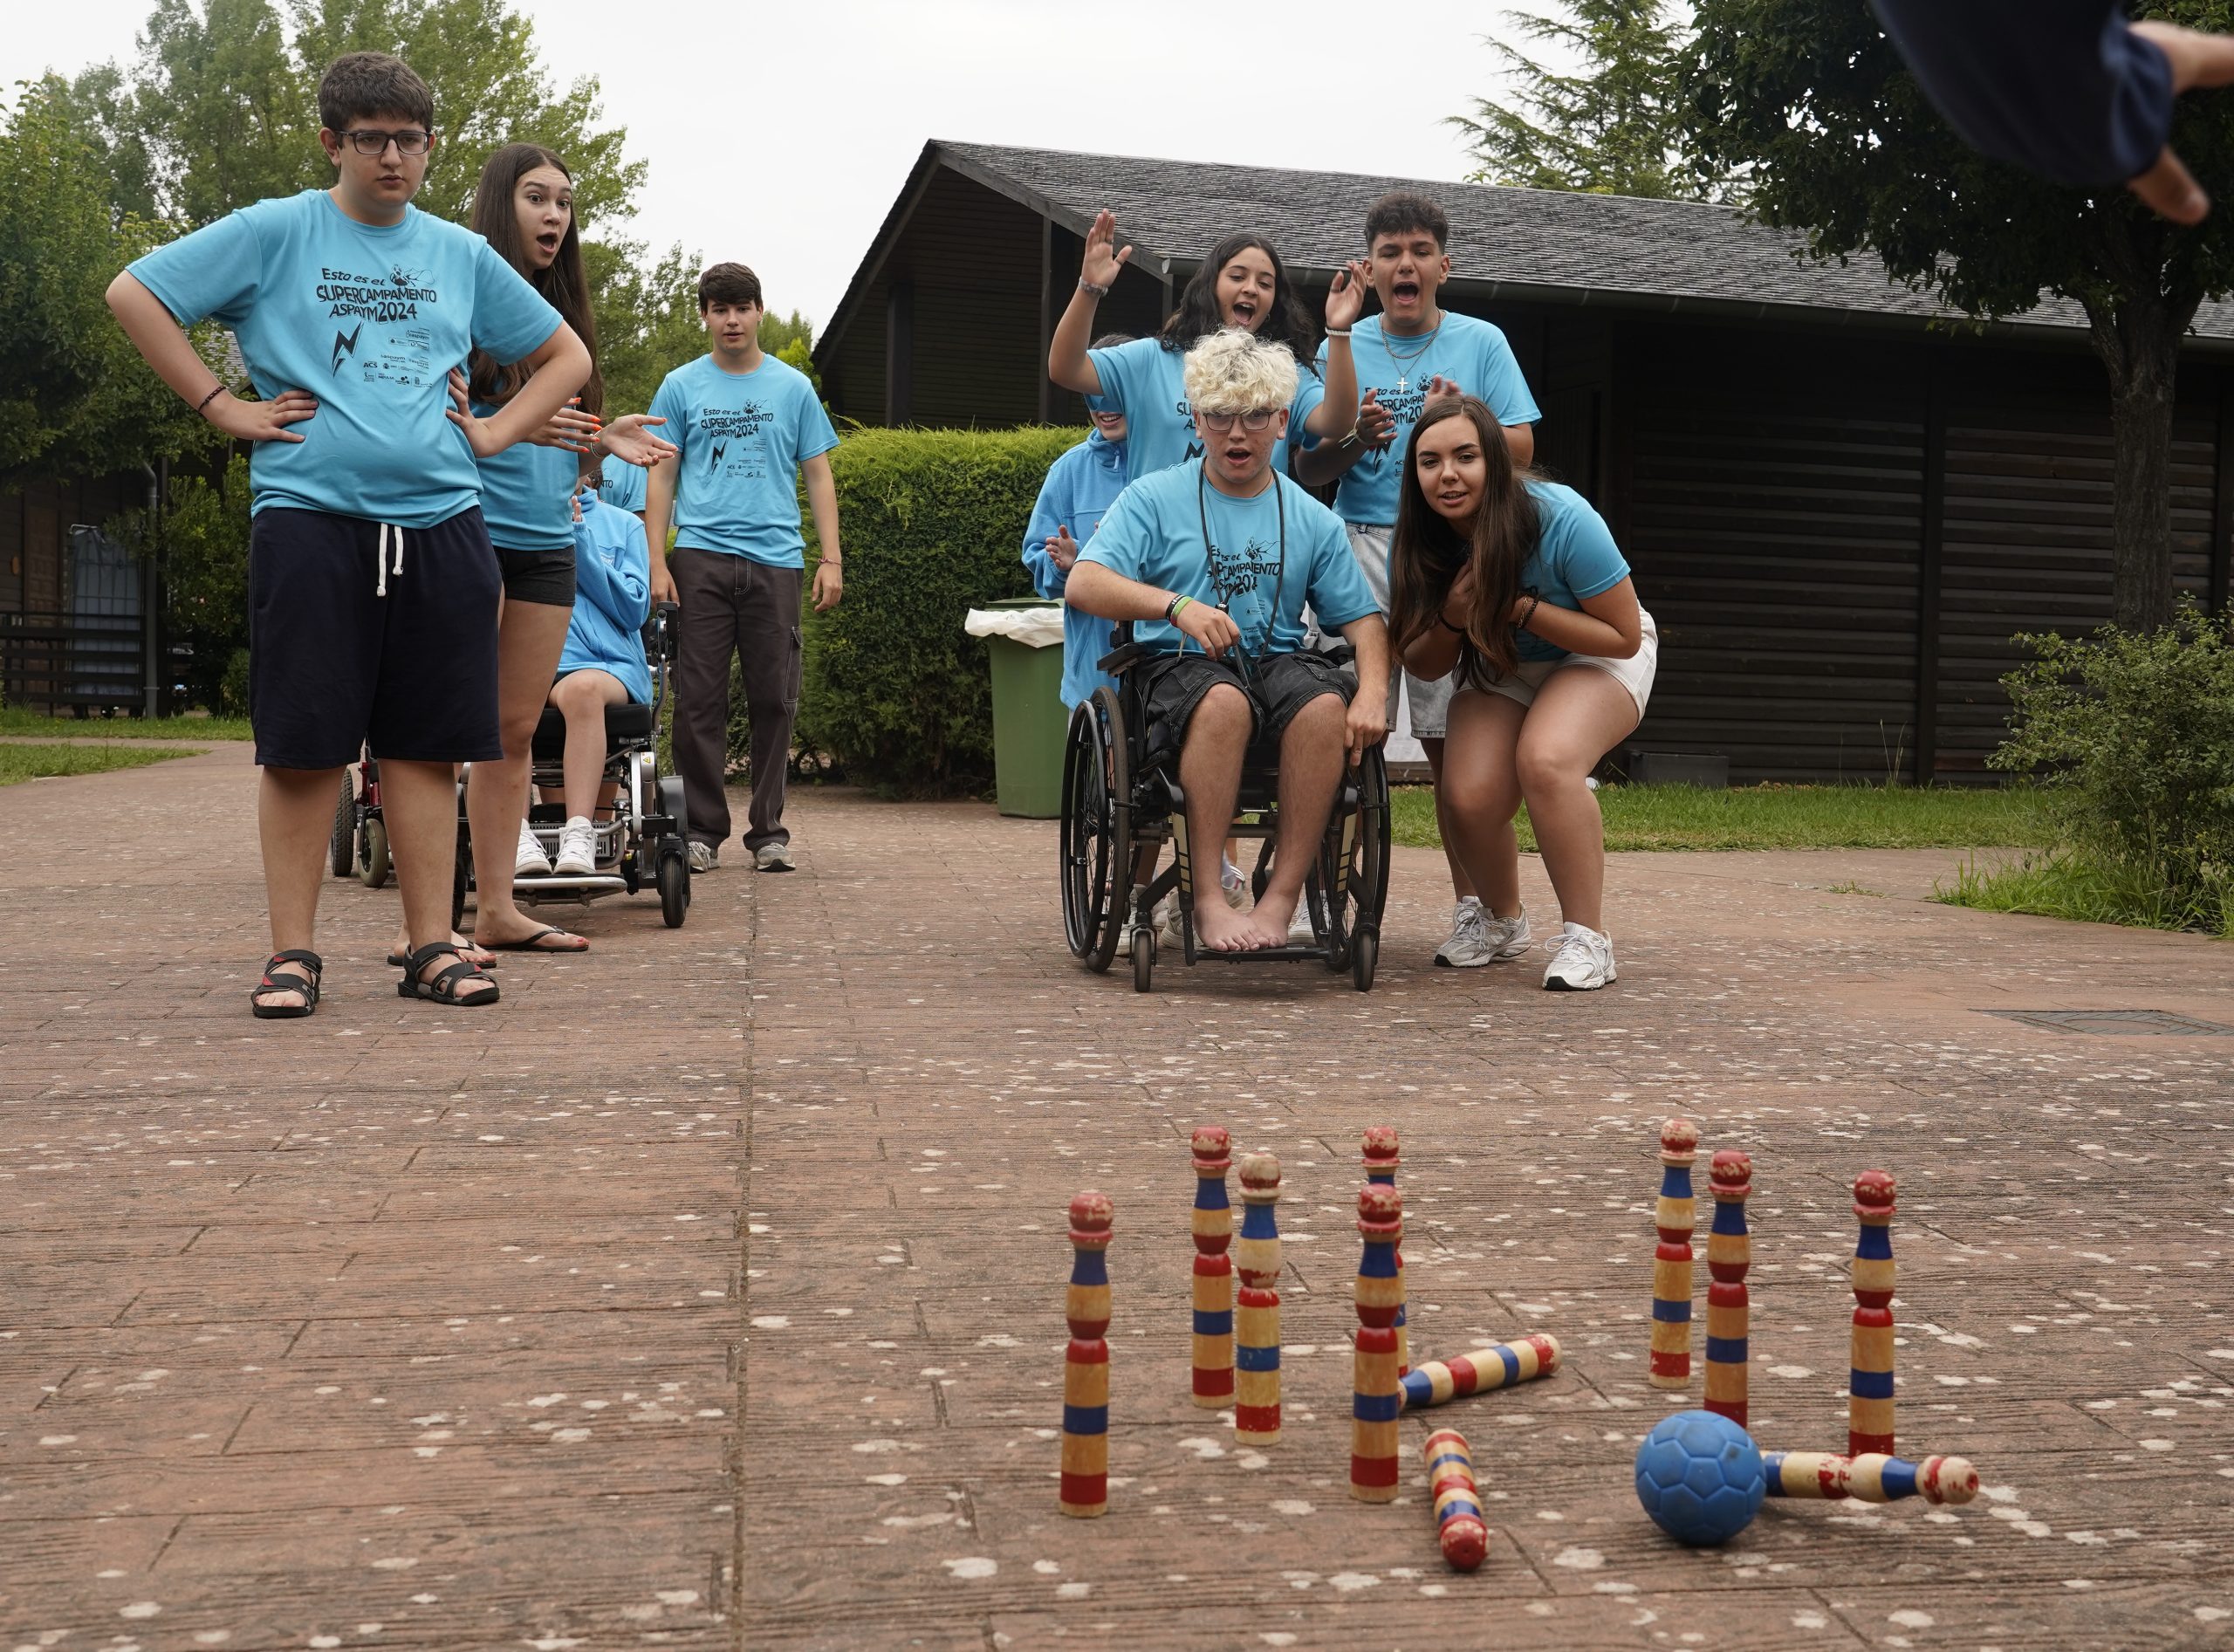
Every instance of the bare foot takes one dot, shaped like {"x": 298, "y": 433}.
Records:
{"x": 1268, "y": 920}
{"x": 519, "y": 933}
{"x": 1222, "y": 930}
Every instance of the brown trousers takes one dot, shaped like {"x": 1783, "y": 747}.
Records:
{"x": 733, "y": 605}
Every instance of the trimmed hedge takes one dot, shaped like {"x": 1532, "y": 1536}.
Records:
{"x": 896, "y": 693}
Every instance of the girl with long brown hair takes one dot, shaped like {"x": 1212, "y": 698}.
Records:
{"x": 1515, "y": 583}
{"x": 523, "y": 207}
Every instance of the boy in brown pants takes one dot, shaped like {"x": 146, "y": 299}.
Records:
{"x": 747, "y": 426}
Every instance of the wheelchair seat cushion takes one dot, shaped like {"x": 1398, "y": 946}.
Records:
{"x": 1172, "y": 686}
{"x": 625, "y": 725}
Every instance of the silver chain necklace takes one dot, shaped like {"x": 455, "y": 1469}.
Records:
{"x": 1427, "y": 344}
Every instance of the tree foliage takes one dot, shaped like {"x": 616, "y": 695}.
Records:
{"x": 1615, "y": 126}
{"x": 75, "y": 400}
{"x": 1811, "y": 102}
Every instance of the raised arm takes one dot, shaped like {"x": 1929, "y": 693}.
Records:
{"x": 1338, "y": 414}
{"x": 1068, "y": 364}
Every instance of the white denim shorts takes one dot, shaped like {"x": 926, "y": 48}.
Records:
{"x": 1636, "y": 674}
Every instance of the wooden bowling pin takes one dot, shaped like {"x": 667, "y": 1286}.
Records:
{"x": 1869, "y": 1384}
{"x": 1460, "y": 1528}
{"x": 1375, "y": 1398}
{"x": 1871, "y": 1478}
{"x": 1256, "y": 1397}
{"x": 1730, "y": 1254}
{"x": 1213, "y": 1227}
{"x": 1439, "y": 1381}
{"x": 1085, "y": 1489}
{"x": 1381, "y": 1156}
{"x": 1671, "y": 1262}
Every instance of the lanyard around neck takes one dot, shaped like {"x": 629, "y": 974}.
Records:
{"x": 1225, "y": 597}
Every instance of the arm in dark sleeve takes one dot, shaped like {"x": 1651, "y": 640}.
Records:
{"x": 2060, "y": 88}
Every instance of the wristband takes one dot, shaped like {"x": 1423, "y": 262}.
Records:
{"x": 1337, "y": 332}
{"x": 1528, "y": 613}
{"x": 1171, "y": 610}
{"x": 1085, "y": 285}
{"x": 1351, "y": 438}
{"x": 216, "y": 390}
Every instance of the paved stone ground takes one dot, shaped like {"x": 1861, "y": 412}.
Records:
{"x": 709, "y": 1291}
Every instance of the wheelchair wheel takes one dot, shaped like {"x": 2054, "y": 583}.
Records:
{"x": 1096, "y": 831}
{"x": 373, "y": 864}
{"x": 1373, "y": 841}
{"x": 674, "y": 889}
{"x": 1143, "y": 959}
{"x": 341, "y": 852}
{"x": 1365, "y": 954}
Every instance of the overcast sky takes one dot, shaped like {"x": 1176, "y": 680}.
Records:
{"x": 783, "y": 144}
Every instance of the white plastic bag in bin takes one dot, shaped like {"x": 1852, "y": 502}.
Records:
{"x": 1034, "y": 627}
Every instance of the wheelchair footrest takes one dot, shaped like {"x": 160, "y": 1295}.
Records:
{"x": 1314, "y": 953}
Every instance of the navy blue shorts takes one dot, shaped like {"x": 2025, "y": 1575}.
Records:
{"x": 362, "y": 633}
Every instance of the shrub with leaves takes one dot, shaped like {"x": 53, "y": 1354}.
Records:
{"x": 896, "y": 693}
{"x": 2134, "y": 734}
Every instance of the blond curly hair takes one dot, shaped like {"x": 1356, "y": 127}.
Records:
{"x": 1234, "y": 371}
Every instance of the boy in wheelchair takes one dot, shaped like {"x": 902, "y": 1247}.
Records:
{"x": 603, "y": 664}
{"x": 1213, "y": 562}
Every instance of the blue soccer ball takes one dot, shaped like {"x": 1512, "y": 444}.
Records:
{"x": 1699, "y": 1477}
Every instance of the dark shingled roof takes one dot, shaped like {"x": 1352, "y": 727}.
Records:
{"x": 1544, "y": 244}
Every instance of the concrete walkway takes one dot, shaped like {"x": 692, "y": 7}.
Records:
{"x": 709, "y": 1291}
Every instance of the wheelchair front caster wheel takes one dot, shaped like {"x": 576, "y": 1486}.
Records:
{"x": 1143, "y": 959}
{"x": 1364, "y": 953}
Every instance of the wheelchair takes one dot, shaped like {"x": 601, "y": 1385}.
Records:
{"x": 643, "y": 842}
{"x": 1116, "y": 808}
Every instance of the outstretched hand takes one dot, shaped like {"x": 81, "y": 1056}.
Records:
{"x": 1376, "y": 424}
{"x": 1437, "y": 387}
{"x": 1104, "y": 257}
{"x": 2168, "y": 188}
{"x": 263, "y": 421}
{"x": 1345, "y": 296}
{"x": 629, "y": 437}
{"x": 1062, "y": 550}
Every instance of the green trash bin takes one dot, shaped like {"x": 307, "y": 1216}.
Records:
{"x": 1029, "y": 721}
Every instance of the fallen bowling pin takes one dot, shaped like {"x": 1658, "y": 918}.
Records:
{"x": 1460, "y": 1528}
{"x": 1439, "y": 1381}
{"x": 1871, "y": 1478}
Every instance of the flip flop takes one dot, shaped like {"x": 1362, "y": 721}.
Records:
{"x": 528, "y": 943}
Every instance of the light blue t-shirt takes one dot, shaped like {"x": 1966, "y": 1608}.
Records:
{"x": 1081, "y": 485}
{"x": 623, "y": 487}
{"x": 527, "y": 494}
{"x": 1147, "y": 384}
{"x": 370, "y": 319}
{"x": 1469, "y": 353}
{"x": 1575, "y": 556}
{"x": 744, "y": 436}
{"x": 1153, "y": 533}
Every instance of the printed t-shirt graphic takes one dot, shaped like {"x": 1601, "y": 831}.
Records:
{"x": 744, "y": 436}
{"x": 1147, "y": 384}
{"x": 1154, "y": 534}
{"x": 1469, "y": 353}
{"x": 623, "y": 487}
{"x": 369, "y": 319}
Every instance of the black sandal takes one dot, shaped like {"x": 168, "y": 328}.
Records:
{"x": 304, "y": 980}
{"x": 443, "y": 989}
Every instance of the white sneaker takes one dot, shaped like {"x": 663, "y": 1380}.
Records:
{"x": 774, "y": 857}
{"x": 531, "y": 861}
{"x": 1300, "y": 934}
{"x": 705, "y": 857}
{"x": 577, "y": 848}
{"x": 1584, "y": 961}
{"x": 1478, "y": 937}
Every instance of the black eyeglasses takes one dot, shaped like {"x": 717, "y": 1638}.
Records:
{"x": 1255, "y": 419}
{"x": 367, "y": 141}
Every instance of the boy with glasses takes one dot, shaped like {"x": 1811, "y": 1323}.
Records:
{"x": 372, "y": 587}
{"x": 1411, "y": 353}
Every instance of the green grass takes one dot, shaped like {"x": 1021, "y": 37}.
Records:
{"x": 38, "y": 761}
{"x": 1783, "y": 817}
{"x": 15, "y": 720}
{"x": 2060, "y": 884}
